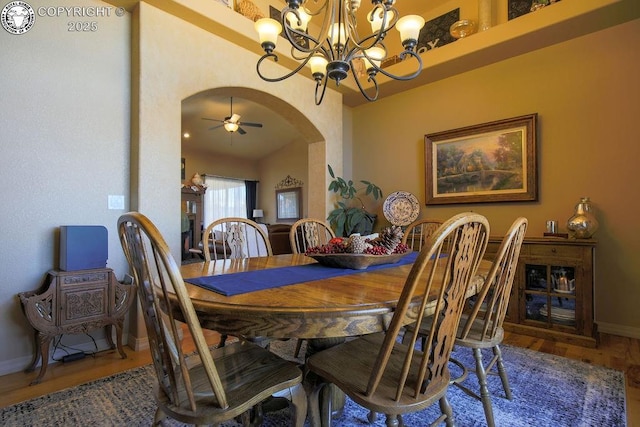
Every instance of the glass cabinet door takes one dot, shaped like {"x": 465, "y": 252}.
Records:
{"x": 549, "y": 295}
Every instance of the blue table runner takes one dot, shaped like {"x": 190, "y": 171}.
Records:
{"x": 250, "y": 281}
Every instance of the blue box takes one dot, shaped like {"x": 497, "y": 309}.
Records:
{"x": 83, "y": 247}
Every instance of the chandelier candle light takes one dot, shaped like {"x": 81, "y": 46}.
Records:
{"x": 331, "y": 54}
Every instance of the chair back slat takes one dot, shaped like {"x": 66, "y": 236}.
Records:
{"x": 158, "y": 280}
{"x": 417, "y": 233}
{"x": 235, "y": 238}
{"x": 464, "y": 237}
{"x": 309, "y": 232}
{"x": 489, "y": 308}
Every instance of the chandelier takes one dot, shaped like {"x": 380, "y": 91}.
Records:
{"x": 338, "y": 46}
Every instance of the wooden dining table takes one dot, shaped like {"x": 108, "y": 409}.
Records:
{"x": 348, "y": 305}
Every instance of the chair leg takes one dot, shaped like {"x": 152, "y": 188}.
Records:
{"x": 298, "y": 348}
{"x": 485, "y": 396}
{"x": 298, "y": 405}
{"x": 159, "y": 417}
{"x": 446, "y": 410}
{"x": 326, "y": 410}
{"x": 502, "y": 372}
{"x": 223, "y": 340}
{"x": 392, "y": 421}
{"x": 317, "y": 394}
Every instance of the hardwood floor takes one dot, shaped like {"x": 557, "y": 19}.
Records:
{"x": 613, "y": 351}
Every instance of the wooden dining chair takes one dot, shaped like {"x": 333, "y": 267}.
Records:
{"x": 481, "y": 323}
{"x": 385, "y": 376}
{"x": 304, "y": 234}
{"x": 416, "y": 233}
{"x": 208, "y": 386}
{"x": 309, "y": 232}
{"x": 232, "y": 238}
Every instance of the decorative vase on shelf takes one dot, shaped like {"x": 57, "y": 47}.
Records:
{"x": 583, "y": 223}
{"x": 197, "y": 179}
{"x": 485, "y": 14}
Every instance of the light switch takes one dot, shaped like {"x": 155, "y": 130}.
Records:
{"x": 116, "y": 202}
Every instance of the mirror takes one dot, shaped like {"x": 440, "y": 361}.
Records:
{"x": 289, "y": 204}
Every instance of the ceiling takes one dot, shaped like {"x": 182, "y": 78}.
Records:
{"x": 276, "y": 131}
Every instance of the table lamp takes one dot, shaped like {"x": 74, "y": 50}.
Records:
{"x": 257, "y": 213}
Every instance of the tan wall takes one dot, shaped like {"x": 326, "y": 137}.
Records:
{"x": 586, "y": 93}
{"x": 220, "y": 165}
{"x": 291, "y": 160}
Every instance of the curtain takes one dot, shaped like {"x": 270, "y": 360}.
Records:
{"x": 252, "y": 187}
{"x": 225, "y": 197}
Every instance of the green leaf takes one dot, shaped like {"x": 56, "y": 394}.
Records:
{"x": 331, "y": 171}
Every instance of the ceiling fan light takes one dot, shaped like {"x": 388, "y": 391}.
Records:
{"x": 231, "y": 127}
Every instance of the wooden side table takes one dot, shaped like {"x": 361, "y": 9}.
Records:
{"x": 75, "y": 302}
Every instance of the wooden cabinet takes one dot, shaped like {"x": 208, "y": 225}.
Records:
{"x": 75, "y": 302}
{"x": 552, "y": 296}
{"x": 192, "y": 204}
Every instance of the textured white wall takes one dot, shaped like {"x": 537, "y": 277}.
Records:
{"x": 65, "y": 148}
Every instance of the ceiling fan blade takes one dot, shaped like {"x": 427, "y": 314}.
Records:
{"x": 213, "y": 120}
{"x": 254, "y": 125}
{"x": 241, "y": 131}
{"x": 234, "y": 118}
{"x": 216, "y": 127}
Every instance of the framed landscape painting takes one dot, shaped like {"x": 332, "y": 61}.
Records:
{"x": 490, "y": 162}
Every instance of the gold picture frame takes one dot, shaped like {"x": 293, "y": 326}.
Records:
{"x": 490, "y": 162}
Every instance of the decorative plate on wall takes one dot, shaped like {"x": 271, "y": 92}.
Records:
{"x": 401, "y": 208}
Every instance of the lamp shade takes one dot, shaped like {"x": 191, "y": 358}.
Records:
{"x": 268, "y": 30}
{"x": 318, "y": 64}
{"x": 258, "y": 213}
{"x": 376, "y": 54}
{"x": 409, "y": 27}
{"x": 300, "y": 24}
{"x": 375, "y": 18}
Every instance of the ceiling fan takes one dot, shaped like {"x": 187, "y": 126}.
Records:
{"x": 232, "y": 123}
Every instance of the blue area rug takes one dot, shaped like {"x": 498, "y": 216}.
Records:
{"x": 548, "y": 391}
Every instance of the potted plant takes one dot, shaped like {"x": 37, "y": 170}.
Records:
{"x": 346, "y": 219}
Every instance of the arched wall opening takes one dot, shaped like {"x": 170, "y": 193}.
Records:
{"x": 279, "y": 148}
{"x": 173, "y": 59}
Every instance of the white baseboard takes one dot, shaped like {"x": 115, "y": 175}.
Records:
{"x": 620, "y": 330}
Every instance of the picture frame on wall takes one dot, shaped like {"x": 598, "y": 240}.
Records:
{"x": 489, "y": 162}
{"x": 289, "y": 204}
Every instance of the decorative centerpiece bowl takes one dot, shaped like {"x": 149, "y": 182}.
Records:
{"x": 356, "y": 261}
{"x": 359, "y": 252}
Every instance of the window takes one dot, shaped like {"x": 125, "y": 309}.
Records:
{"x": 225, "y": 197}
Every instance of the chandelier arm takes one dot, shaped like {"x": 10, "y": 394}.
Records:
{"x": 292, "y": 35}
{"x": 402, "y": 57}
{"x": 379, "y": 36}
{"x": 275, "y": 59}
{"x": 324, "y": 88}
{"x": 372, "y": 78}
